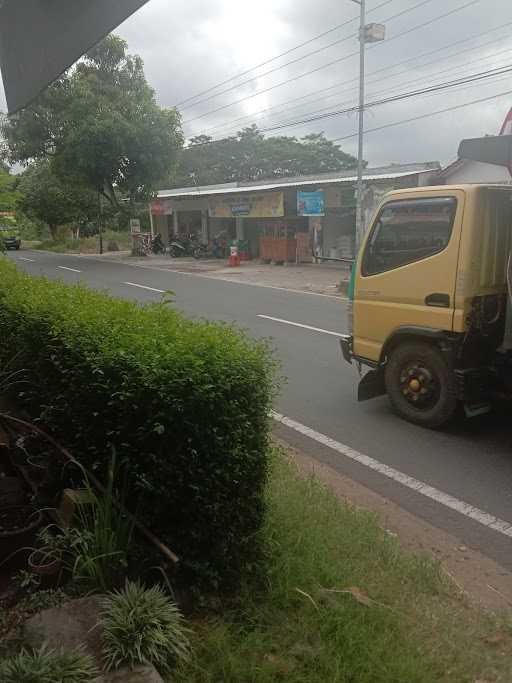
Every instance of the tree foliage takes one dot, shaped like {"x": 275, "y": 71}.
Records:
{"x": 250, "y": 156}
{"x": 99, "y": 125}
{"x": 9, "y": 193}
{"x": 45, "y": 197}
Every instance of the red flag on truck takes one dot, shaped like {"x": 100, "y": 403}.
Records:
{"x": 506, "y": 128}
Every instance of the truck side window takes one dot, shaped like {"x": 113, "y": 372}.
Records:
{"x": 408, "y": 230}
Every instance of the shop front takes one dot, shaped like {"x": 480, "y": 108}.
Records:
{"x": 263, "y": 226}
{"x": 283, "y": 219}
{"x": 175, "y": 217}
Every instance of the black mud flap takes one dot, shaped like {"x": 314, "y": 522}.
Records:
{"x": 346, "y": 347}
{"x": 372, "y": 385}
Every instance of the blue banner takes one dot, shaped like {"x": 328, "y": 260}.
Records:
{"x": 311, "y": 203}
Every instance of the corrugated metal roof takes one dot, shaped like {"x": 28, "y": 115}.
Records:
{"x": 386, "y": 173}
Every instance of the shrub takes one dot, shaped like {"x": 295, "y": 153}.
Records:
{"x": 60, "y": 246}
{"x": 9, "y": 378}
{"x": 48, "y": 666}
{"x": 185, "y": 404}
{"x": 142, "y": 626}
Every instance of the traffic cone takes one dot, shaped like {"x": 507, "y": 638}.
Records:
{"x": 234, "y": 258}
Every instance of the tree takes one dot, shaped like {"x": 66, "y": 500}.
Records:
{"x": 9, "y": 194}
{"x": 46, "y": 198}
{"x": 250, "y": 156}
{"x": 99, "y": 125}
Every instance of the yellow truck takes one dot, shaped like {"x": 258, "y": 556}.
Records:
{"x": 429, "y": 302}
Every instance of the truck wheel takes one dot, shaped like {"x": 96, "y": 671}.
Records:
{"x": 421, "y": 385}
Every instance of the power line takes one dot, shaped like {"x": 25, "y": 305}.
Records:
{"x": 457, "y": 67}
{"x": 402, "y": 96}
{"x": 271, "y": 71}
{"x": 299, "y": 59}
{"x": 425, "y": 116}
{"x": 491, "y": 73}
{"x": 410, "y": 82}
{"x": 324, "y": 66}
{"x": 386, "y": 68}
{"x": 381, "y": 70}
{"x": 492, "y": 80}
{"x": 282, "y": 54}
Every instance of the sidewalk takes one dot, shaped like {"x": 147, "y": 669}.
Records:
{"x": 321, "y": 278}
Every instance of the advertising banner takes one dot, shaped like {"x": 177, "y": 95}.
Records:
{"x": 264, "y": 205}
{"x": 311, "y": 203}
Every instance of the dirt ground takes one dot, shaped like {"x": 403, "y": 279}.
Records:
{"x": 482, "y": 580}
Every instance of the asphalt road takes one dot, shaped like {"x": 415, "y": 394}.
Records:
{"x": 459, "y": 479}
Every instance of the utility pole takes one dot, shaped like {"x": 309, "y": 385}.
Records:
{"x": 100, "y": 221}
{"x": 371, "y": 33}
{"x": 360, "y": 140}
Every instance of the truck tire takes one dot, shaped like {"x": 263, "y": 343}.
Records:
{"x": 421, "y": 385}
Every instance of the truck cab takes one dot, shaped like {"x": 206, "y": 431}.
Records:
{"x": 429, "y": 302}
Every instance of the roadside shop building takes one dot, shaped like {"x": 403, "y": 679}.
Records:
{"x": 307, "y": 212}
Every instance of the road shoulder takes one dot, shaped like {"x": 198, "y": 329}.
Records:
{"x": 328, "y": 280}
{"x": 481, "y": 579}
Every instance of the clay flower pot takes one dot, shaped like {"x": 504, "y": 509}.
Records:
{"x": 47, "y": 565}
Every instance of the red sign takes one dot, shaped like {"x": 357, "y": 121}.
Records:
{"x": 157, "y": 209}
{"x": 161, "y": 207}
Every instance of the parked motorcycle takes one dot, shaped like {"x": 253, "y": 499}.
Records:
{"x": 202, "y": 251}
{"x": 157, "y": 245}
{"x": 180, "y": 246}
{"x": 183, "y": 245}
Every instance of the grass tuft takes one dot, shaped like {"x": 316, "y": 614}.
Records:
{"x": 142, "y": 626}
{"x": 48, "y": 666}
{"x": 85, "y": 245}
{"x": 343, "y": 603}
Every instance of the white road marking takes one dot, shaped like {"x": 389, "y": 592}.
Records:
{"x": 483, "y": 518}
{"x": 151, "y": 289}
{"x": 207, "y": 277}
{"x": 305, "y": 327}
{"x": 73, "y": 270}
{"x": 24, "y": 258}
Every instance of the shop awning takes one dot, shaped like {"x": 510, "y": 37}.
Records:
{"x": 39, "y": 39}
{"x": 389, "y": 173}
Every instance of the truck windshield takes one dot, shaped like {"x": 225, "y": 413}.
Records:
{"x": 408, "y": 231}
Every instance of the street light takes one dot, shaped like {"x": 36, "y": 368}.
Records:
{"x": 368, "y": 33}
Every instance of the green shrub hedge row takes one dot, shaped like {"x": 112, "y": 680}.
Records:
{"x": 184, "y": 403}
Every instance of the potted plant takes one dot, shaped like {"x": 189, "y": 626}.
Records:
{"x": 18, "y": 527}
{"x": 46, "y": 565}
{"x": 46, "y": 561}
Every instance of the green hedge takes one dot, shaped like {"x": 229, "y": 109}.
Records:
{"x": 184, "y": 403}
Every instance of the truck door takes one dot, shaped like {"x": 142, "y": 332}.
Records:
{"x": 408, "y": 270}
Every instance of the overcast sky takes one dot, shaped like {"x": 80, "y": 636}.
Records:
{"x": 189, "y": 47}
